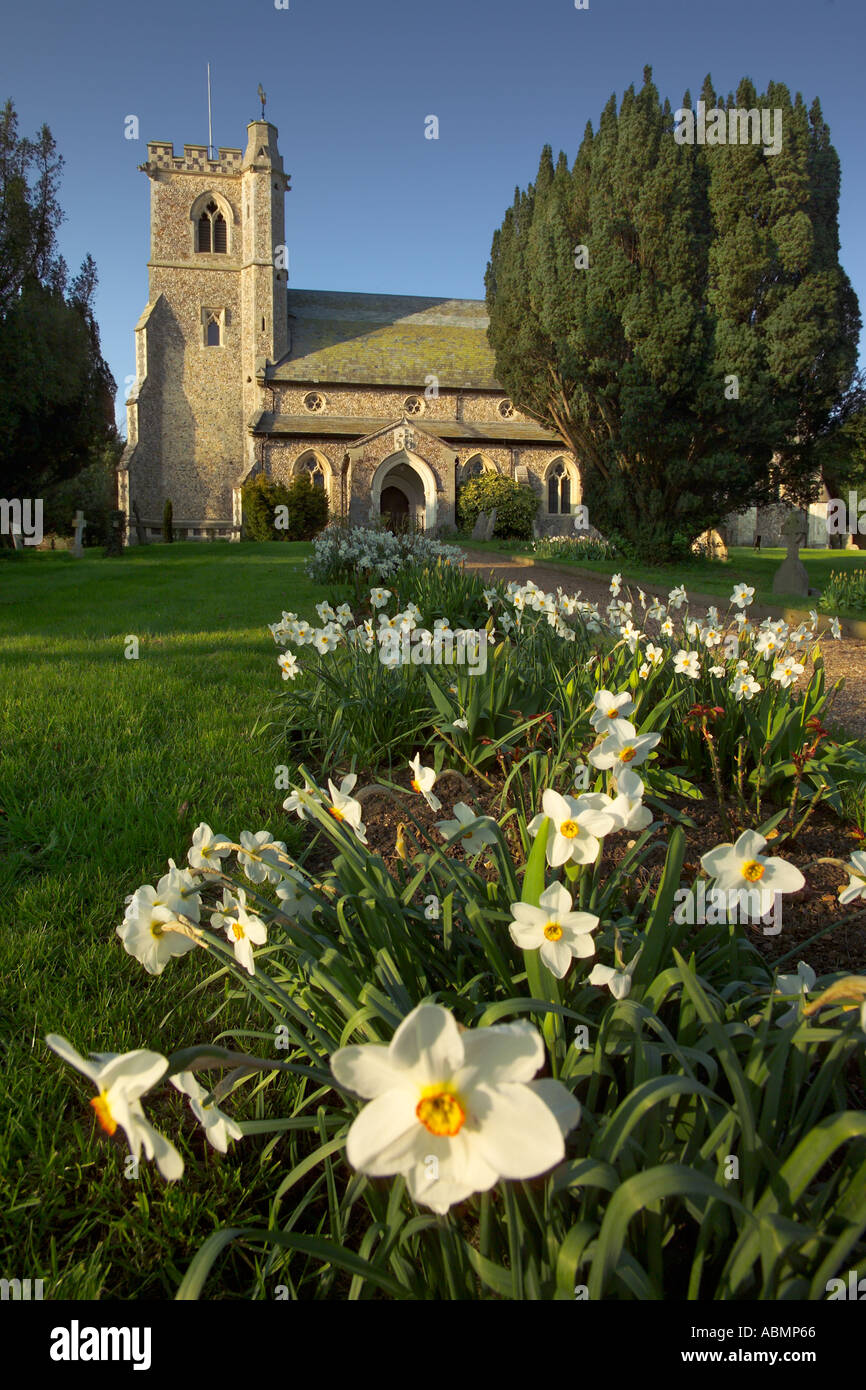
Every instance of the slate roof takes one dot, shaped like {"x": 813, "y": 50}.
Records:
{"x": 360, "y": 427}
{"x": 387, "y": 340}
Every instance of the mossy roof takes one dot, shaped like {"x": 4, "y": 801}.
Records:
{"x": 387, "y": 339}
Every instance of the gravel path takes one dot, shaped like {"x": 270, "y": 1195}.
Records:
{"x": 845, "y": 658}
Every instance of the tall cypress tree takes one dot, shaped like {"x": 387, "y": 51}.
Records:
{"x": 712, "y": 331}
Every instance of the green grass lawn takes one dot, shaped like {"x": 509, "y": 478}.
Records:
{"x": 743, "y": 565}
{"x": 107, "y": 766}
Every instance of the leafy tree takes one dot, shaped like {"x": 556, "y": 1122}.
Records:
{"x": 694, "y": 359}
{"x": 515, "y": 503}
{"x": 56, "y": 391}
{"x": 93, "y": 491}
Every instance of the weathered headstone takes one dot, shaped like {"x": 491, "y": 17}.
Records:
{"x": 116, "y": 535}
{"x": 711, "y": 544}
{"x": 791, "y": 576}
{"x": 491, "y": 523}
{"x": 80, "y": 523}
{"x": 479, "y": 530}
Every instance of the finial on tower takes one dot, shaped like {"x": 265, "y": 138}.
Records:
{"x": 262, "y": 98}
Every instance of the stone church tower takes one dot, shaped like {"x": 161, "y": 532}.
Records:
{"x": 388, "y": 402}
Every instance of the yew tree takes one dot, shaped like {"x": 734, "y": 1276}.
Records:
{"x": 676, "y": 313}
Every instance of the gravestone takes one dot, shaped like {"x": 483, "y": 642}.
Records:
{"x": 116, "y": 535}
{"x": 791, "y": 576}
{"x": 80, "y": 523}
{"x": 479, "y": 530}
{"x": 491, "y": 523}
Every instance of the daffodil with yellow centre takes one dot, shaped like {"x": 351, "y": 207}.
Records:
{"x": 752, "y": 870}
{"x": 729, "y": 865}
{"x": 570, "y": 829}
{"x": 553, "y": 931}
{"x": 440, "y": 1110}
{"x": 558, "y": 934}
{"x": 575, "y": 826}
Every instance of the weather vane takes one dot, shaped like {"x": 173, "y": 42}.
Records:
{"x": 262, "y": 98}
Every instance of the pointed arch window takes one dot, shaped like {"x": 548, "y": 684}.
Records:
{"x": 212, "y": 230}
{"x": 558, "y": 490}
{"x": 312, "y": 466}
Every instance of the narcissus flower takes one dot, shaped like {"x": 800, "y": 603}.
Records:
{"x": 151, "y": 911}
{"x": 288, "y": 664}
{"x": 379, "y": 597}
{"x": 627, "y": 806}
{"x": 472, "y": 840}
{"x": 576, "y": 827}
{"x": 454, "y": 1112}
{"x": 609, "y": 707}
{"x": 619, "y": 982}
{"x": 623, "y": 747}
{"x": 742, "y": 595}
{"x": 259, "y": 856}
{"x": 786, "y": 671}
{"x": 218, "y": 1128}
{"x": 121, "y": 1082}
{"x": 344, "y": 808}
{"x": 558, "y": 934}
{"x": 242, "y": 928}
{"x": 687, "y": 664}
{"x": 744, "y": 686}
{"x": 423, "y": 781}
{"x": 207, "y": 849}
{"x": 857, "y": 878}
{"x": 742, "y": 865}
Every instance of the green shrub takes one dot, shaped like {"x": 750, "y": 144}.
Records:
{"x": 261, "y": 496}
{"x": 167, "y": 522}
{"x": 515, "y": 503}
{"x": 93, "y": 491}
{"x": 307, "y": 510}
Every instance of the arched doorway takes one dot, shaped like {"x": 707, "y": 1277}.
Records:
{"x": 410, "y": 475}
{"x": 394, "y": 508}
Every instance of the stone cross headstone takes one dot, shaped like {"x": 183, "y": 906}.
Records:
{"x": 791, "y": 576}
{"x": 491, "y": 523}
{"x": 479, "y": 530}
{"x": 80, "y": 523}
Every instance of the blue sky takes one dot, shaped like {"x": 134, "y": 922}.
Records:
{"x": 374, "y": 205}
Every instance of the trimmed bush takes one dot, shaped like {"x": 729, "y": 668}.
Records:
{"x": 261, "y": 497}
{"x": 308, "y": 510}
{"x": 515, "y": 503}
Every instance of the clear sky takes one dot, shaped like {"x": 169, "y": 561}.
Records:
{"x": 374, "y": 205}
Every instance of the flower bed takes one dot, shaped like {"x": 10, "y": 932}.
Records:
{"x": 528, "y": 1049}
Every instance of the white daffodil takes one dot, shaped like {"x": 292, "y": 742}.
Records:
{"x": 288, "y": 664}
{"x": 742, "y": 865}
{"x": 558, "y": 934}
{"x": 304, "y": 634}
{"x": 687, "y": 664}
{"x": 121, "y": 1082}
{"x": 259, "y": 856}
{"x": 767, "y": 644}
{"x": 423, "y": 781}
{"x": 718, "y": 672}
{"x": 677, "y": 597}
{"x": 627, "y": 806}
{"x": 609, "y": 707}
{"x": 293, "y": 801}
{"x": 710, "y": 636}
{"x": 454, "y": 1112}
{"x": 857, "y": 878}
{"x": 786, "y": 672}
{"x": 344, "y": 808}
{"x": 461, "y": 724}
{"x": 800, "y": 985}
{"x": 667, "y": 627}
{"x": 835, "y": 628}
{"x": 242, "y": 928}
{"x": 576, "y": 829}
{"x": 742, "y": 595}
{"x": 344, "y": 615}
{"x": 145, "y": 931}
{"x": 326, "y": 613}
{"x": 295, "y": 899}
{"x": 207, "y": 850}
{"x": 744, "y": 686}
{"x": 490, "y": 596}
{"x": 654, "y": 655}
{"x": 615, "y": 584}
{"x": 218, "y": 1128}
{"x": 623, "y": 746}
{"x": 643, "y": 670}
{"x": 474, "y": 840}
{"x": 379, "y": 597}
{"x": 619, "y": 982}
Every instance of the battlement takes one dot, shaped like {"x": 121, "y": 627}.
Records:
{"x": 161, "y": 155}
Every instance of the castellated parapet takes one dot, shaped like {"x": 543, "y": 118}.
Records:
{"x": 195, "y": 159}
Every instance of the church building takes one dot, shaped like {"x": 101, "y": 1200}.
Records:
{"x": 389, "y": 402}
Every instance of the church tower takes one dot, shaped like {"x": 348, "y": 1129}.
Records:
{"x": 217, "y": 309}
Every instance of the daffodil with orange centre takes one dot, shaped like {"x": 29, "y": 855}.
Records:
{"x": 743, "y": 866}
{"x": 453, "y": 1111}
{"x": 423, "y": 781}
{"x": 623, "y": 747}
{"x": 120, "y": 1082}
{"x": 576, "y": 828}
